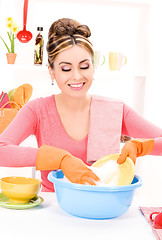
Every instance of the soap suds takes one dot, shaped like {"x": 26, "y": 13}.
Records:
{"x": 108, "y": 173}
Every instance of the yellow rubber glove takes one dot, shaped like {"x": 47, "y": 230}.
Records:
{"x": 136, "y": 148}
{"x": 51, "y": 158}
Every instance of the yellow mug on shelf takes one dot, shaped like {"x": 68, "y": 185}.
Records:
{"x": 116, "y": 61}
{"x": 99, "y": 59}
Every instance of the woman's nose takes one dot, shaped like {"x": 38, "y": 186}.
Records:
{"x": 76, "y": 74}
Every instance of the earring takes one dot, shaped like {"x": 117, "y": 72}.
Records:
{"x": 52, "y": 82}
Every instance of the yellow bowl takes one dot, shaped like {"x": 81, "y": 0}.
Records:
{"x": 124, "y": 174}
{"x": 20, "y": 189}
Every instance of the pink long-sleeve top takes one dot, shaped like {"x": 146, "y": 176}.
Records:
{"x": 40, "y": 118}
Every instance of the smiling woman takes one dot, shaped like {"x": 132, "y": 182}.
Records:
{"x": 73, "y": 128}
{"x": 73, "y": 71}
{"x": 70, "y": 51}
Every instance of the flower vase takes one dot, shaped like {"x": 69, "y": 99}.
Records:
{"x": 11, "y": 57}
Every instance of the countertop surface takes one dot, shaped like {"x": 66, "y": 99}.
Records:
{"x": 49, "y": 221}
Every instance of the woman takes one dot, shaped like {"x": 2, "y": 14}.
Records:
{"x": 74, "y": 128}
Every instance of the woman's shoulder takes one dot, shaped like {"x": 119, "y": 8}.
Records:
{"x": 39, "y": 106}
{"x": 42, "y": 101}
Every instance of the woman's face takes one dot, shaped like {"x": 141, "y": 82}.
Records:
{"x": 73, "y": 71}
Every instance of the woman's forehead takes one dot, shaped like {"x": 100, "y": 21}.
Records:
{"x": 75, "y": 53}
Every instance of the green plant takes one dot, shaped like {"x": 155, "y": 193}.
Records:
{"x": 12, "y": 30}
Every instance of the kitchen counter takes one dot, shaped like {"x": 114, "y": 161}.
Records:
{"x": 49, "y": 221}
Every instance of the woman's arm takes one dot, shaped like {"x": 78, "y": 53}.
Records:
{"x": 135, "y": 126}
{"x": 44, "y": 158}
{"x": 11, "y": 154}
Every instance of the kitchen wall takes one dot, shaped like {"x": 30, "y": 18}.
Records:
{"x": 116, "y": 26}
{"x": 154, "y": 78}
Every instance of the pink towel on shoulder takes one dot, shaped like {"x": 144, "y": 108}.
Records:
{"x": 105, "y": 128}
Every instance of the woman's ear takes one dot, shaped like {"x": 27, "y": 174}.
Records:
{"x": 51, "y": 73}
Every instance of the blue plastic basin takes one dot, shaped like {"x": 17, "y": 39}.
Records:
{"x": 93, "y": 202}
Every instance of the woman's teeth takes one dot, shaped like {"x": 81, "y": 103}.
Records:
{"x": 76, "y": 86}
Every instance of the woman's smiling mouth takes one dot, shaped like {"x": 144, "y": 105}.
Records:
{"x": 76, "y": 86}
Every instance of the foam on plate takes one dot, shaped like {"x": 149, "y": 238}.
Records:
{"x": 108, "y": 173}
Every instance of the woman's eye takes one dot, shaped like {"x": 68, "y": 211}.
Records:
{"x": 66, "y": 69}
{"x": 84, "y": 67}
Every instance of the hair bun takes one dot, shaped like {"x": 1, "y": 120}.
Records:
{"x": 70, "y": 27}
{"x": 83, "y": 30}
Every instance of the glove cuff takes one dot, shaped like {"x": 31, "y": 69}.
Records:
{"x": 144, "y": 146}
{"x": 49, "y": 158}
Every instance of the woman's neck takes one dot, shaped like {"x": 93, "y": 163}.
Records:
{"x": 73, "y": 103}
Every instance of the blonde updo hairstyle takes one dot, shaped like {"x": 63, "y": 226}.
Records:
{"x": 64, "y": 34}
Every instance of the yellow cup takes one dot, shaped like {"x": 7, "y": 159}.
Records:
{"x": 116, "y": 61}
{"x": 20, "y": 189}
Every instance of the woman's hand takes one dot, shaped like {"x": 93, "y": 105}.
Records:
{"x": 52, "y": 158}
{"x": 128, "y": 150}
{"x": 136, "y": 148}
{"x": 77, "y": 171}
